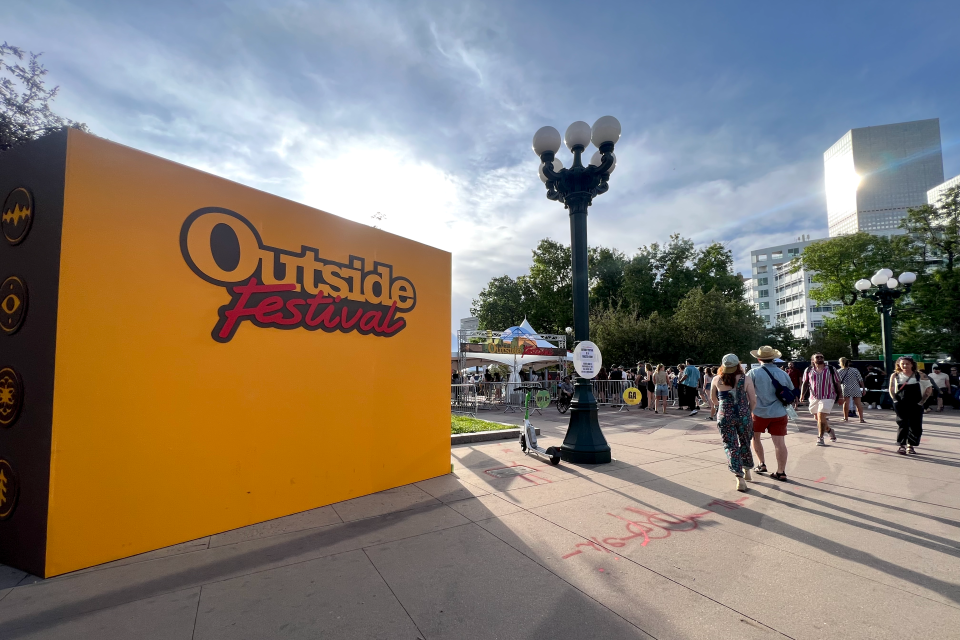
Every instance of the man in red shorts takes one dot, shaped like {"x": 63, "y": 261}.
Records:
{"x": 770, "y": 414}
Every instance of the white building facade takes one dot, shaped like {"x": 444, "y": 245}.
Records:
{"x": 934, "y": 195}
{"x": 783, "y": 297}
{"x": 874, "y": 174}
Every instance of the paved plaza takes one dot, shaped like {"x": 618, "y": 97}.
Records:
{"x": 861, "y": 543}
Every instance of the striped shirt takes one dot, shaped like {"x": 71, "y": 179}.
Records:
{"x": 821, "y": 387}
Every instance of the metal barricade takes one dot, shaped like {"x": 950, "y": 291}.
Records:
{"x": 463, "y": 399}
{"x": 609, "y": 393}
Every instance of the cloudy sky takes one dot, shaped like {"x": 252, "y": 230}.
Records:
{"x": 424, "y": 111}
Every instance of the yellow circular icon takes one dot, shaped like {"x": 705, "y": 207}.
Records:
{"x": 631, "y": 395}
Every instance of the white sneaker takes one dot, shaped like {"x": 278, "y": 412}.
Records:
{"x": 746, "y": 474}
{"x": 695, "y": 412}
{"x": 820, "y": 442}
{"x": 741, "y": 484}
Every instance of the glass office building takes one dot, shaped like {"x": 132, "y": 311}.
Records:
{"x": 873, "y": 175}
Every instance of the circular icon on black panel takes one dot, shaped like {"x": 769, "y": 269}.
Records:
{"x": 17, "y": 215}
{"x": 9, "y": 489}
{"x": 13, "y": 304}
{"x": 11, "y": 396}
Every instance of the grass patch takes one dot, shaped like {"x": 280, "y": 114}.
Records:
{"x": 466, "y": 424}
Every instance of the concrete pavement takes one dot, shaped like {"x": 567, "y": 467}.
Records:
{"x": 861, "y": 543}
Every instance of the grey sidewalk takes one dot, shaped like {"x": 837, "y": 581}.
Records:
{"x": 861, "y": 543}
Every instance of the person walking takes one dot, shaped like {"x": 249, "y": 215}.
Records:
{"x": 822, "y": 386}
{"x": 708, "y": 374}
{"x": 954, "y": 398}
{"x": 734, "y": 395}
{"x": 769, "y": 412}
{"x": 688, "y": 387}
{"x": 649, "y": 387}
{"x": 851, "y": 383}
{"x": 661, "y": 389}
{"x": 942, "y": 381}
{"x": 909, "y": 389}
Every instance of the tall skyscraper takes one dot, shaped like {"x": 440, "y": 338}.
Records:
{"x": 936, "y": 194}
{"x": 874, "y": 174}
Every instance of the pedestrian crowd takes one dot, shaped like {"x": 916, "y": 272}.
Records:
{"x": 749, "y": 403}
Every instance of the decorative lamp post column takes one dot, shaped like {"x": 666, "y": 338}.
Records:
{"x": 575, "y": 188}
{"x": 885, "y": 293}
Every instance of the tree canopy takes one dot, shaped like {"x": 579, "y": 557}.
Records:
{"x": 666, "y": 303}
{"x": 25, "y": 112}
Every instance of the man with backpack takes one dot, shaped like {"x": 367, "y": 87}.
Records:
{"x": 774, "y": 391}
{"x": 822, "y": 385}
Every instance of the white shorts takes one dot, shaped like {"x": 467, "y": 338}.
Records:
{"x": 821, "y": 406}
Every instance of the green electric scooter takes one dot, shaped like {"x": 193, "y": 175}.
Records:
{"x": 528, "y": 438}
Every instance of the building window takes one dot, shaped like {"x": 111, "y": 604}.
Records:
{"x": 793, "y": 252}
{"x": 761, "y": 257}
{"x": 753, "y": 259}
{"x": 777, "y": 255}
{"x": 762, "y": 269}
{"x": 766, "y": 319}
{"x": 816, "y": 324}
{"x": 762, "y": 282}
{"x": 763, "y": 293}
{"x": 763, "y": 305}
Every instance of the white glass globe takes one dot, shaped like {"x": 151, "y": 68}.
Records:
{"x": 546, "y": 139}
{"x": 879, "y": 279}
{"x": 577, "y": 133}
{"x": 597, "y": 159}
{"x": 557, "y": 165}
{"x": 862, "y": 284}
{"x": 908, "y": 277}
{"x": 605, "y": 129}
{"x": 892, "y": 283}
{"x": 886, "y": 273}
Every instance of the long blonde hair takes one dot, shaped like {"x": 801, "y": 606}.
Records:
{"x": 648, "y": 367}
{"x": 844, "y": 362}
{"x": 660, "y": 367}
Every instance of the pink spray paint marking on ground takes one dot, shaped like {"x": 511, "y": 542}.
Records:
{"x": 648, "y": 526}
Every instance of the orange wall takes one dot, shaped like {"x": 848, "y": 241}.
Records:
{"x": 162, "y": 434}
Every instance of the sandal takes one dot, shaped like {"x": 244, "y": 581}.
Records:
{"x": 761, "y": 469}
{"x": 902, "y": 450}
{"x": 779, "y": 475}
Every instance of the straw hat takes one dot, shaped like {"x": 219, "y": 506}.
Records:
{"x": 765, "y": 352}
{"x": 730, "y": 363}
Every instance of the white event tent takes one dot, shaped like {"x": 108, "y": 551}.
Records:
{"x": 515, "y": 362}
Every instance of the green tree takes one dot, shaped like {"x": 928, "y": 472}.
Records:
{"x": 606, "y": 270}
{"x": 709, "y": 326}
{"x": 500, "y": 305}
{"x": 549, "y": 301}
{"x": 25, "y": 112}
{"x": 782, "y": 339}
{"x": 824, "y": 340}
{"x": 932, "y": 322}
{"x": 839, "y": 262}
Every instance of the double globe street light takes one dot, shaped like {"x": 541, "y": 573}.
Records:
{"x": 576, "y": 188}
{"x": 886, "y": 291}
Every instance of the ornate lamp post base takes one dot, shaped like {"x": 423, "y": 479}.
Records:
{"x": 584, "y": 443}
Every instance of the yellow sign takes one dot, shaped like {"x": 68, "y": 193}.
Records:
{"x": 631, "y": 395}
{"x": 207, "y": 337}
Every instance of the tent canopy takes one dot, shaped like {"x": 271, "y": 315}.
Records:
{"x": 524, "y": 330}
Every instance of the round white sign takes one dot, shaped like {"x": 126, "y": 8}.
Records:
{"x": 587, "y": 360}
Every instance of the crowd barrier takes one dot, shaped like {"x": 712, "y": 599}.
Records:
{"x": 509, "y": 396}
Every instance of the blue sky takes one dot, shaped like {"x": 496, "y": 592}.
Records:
{"x": 424, "y": 111}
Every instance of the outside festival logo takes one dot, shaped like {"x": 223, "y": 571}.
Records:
{"x": 11, "y": 396}
{"x": 17, "y": 215}
{"x": 272, "y": 287}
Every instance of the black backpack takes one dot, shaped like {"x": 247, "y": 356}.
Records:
{"x": 784, "y": 395}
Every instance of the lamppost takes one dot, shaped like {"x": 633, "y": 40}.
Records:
{"x": 884, "y": 295}
{"x": 575, "y": 188}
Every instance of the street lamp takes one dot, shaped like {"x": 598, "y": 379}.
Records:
{"x": 575, "y": 188}
{"x": 887, "y": 290}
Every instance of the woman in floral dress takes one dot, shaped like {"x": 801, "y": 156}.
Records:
{"x": 734, "y": 396}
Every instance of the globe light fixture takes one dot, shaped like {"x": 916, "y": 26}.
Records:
{"x": 557, "y": 165}
{"x": 546, "y": 139}
{"x": 576, "y": 187}
{"x": 577, "y": 135}
{"x": 885, "y": 294}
